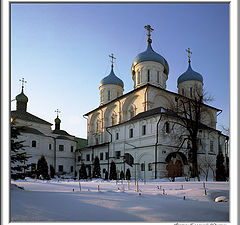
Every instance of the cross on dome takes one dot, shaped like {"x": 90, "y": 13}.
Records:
{"x": 149, "y": 29}
{"x": 57, "y": 111}
{"x": 23, "y": 81}
{"x": 189, "y": 54}
{"x": 111, "y": 56}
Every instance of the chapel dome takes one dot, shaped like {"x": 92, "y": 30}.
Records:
{"x": 22, "y": 97}
{"x": 112, "y": 79}
{"x": 57, "y": 120}
{"x": 190, "y": 74}
{"x": 150, "y": 55}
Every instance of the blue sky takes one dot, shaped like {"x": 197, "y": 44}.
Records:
{"x": 62, "y": 51}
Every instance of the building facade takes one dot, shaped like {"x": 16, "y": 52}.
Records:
{"x": 57, "y": 146}
{"x": 141, "y": 123}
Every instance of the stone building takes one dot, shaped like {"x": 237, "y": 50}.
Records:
{"x": 56, "y": 145}
{"x": 140, "y": 124}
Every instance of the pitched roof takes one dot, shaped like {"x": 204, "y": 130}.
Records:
{"x": 32, "y": 131}
{"x": 18, "y": 114}
{"x": 61, "y": 132}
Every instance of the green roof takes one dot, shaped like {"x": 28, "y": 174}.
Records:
{"x": 81, "y": 142}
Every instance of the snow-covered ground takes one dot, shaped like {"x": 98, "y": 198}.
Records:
{"x": 63, "y": 201}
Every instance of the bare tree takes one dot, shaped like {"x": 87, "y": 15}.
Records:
{"x": 205, "y": 165}
{"x": 188, "y": 112}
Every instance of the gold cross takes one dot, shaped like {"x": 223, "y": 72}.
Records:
{"x": 57, "y": 111}
{"x": 189, "y": 54}
{"x": 111, "y": 56}
{"x": 149, "y": 29}
{"x": 23, "y": 81}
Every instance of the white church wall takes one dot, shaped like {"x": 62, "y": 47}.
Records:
{"x": 35, "y": 153}
{"x": 142, "y": 75}
{"x": 108, "y": 92}
{"x": 190, "y": 88}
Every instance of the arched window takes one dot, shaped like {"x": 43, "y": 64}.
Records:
{"x": 167, "y": 128}
{"x": 109, "y": 95}
{"x": 142, "y": 166}
{"x": 34, "y": 144}
{"x": 148, "y": 76}
{"x": 191, "y": 92}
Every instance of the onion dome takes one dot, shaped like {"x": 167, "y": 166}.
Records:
{"x": 57, "y": 120}
{"x": 150, "y": 55}
{"x": 22, "y": 97}
{"x": 190, "y": 74}
{"x": 22, "y": 100}
{"x": 112, "y": 79}
{"x": 57, "y": 123}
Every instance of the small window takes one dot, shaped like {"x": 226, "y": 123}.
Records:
{"x": 50, "y": 146}
{"x": 61, "y": 147}
{"x": 158, "y": 80}
{"x": 71, "y": 168}
{"x": 34, "y": 144}
{"x": 167, "y": 129}
{"x": 211, "y": 146}
{"x": 118, "y": 154}
{"x": 106, "y": 155}
{"x": 138, "y": 78}
{"x": 143, "y": 167}
{"x": 60, "y": 168}
{"x": 104, "y": 170}
{"x": 191, "y": 92}
{"x": 92, "y": 157}
{"x": 144, "y": 130}
{"x": 130, "y": 133}
{"x": 149, "y": 166}
{"x": 148, "y": 76}
{"x": 88, "y": 157}
{"x": 117, "y": 136}
{"x": 109, "y": 95}
{"x": 79, "y": 158}
{"x": 71, "y": 148}
{"x": 101, "y": 156}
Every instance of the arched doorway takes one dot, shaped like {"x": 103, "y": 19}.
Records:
{"x": 175, "y": 164}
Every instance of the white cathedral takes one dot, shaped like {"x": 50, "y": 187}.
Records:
{"x": 137, "y": 124}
